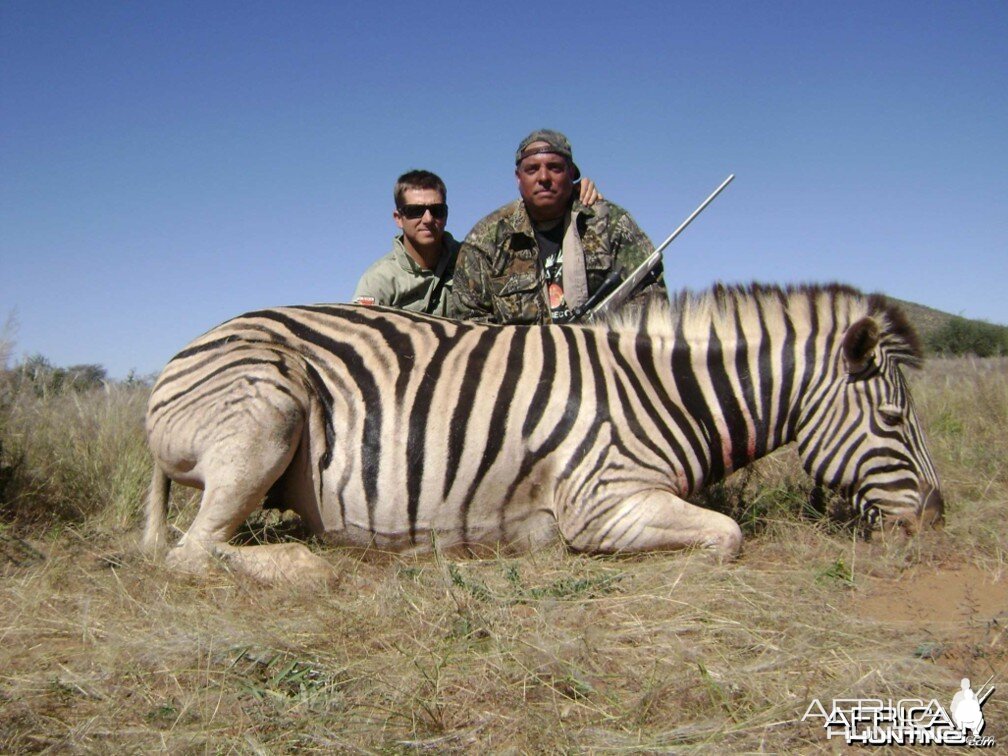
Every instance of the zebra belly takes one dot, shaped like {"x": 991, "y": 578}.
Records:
{"x": 501, "y": 512}
{"x": 535, "y": 532}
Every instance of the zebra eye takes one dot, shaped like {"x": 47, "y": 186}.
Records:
{"x": 891, "y": 414}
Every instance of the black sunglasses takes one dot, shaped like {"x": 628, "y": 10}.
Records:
{"x": 438, "y": 210}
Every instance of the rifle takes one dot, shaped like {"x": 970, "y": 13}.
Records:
{"x": 615, "y": 290}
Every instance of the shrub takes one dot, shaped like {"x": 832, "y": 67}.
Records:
{"x": 959, "y": 336}
{"x": 40, "y": 376}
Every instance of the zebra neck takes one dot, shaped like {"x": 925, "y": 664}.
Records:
{"x": 730, "y": 398}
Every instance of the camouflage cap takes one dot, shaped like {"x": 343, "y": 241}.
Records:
{"x": 556, "y": 143}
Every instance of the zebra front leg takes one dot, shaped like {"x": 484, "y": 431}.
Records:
{"x": 652, "y": 520}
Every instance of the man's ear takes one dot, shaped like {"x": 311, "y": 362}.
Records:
{"x": 397, "y": 218}
{"x": 859, "y": 343}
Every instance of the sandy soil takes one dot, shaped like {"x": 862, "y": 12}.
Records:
{"x": 963, "y": 609}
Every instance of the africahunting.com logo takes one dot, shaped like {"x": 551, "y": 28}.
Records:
{"x": 908, "y": 721}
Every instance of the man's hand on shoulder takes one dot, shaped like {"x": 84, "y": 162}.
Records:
{"x": 589, "y": 193}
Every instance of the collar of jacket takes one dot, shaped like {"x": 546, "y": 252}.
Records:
{"x": 518, "y": 225}
{"x": 449, "y": 248}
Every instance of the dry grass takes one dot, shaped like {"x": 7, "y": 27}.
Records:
{"x": 75, "y": 458}
{"x": 549, "y": 652}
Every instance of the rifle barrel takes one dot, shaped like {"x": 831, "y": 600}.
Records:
{"x": 695, "y": 213}
{"x": 621, "y": 292}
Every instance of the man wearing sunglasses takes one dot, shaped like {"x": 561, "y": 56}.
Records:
{"x": 535, "y": 259}
{"x": 417, "y": 274}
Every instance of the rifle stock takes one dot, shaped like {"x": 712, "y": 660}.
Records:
{"x": 610, "y": 282}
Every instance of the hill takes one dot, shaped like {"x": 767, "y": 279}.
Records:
{"x": 927, "y": 320}
{"x": 953, "y": 334}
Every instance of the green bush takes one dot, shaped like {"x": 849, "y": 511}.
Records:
{"x": 959, "y": 336}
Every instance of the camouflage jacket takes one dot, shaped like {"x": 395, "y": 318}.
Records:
{"x": 499, "y": 275}
{"x": 396, "y": 280}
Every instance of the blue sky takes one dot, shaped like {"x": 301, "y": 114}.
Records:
{"x": 165, "y": 166}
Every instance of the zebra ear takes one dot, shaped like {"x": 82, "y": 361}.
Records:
{"x": 859, "y": 343}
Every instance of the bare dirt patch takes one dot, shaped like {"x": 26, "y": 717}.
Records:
{"x": 961, "y": 608}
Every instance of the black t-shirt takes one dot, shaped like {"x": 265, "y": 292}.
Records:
{"x": 549, "y": 239}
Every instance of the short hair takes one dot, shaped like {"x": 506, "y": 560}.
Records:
{"x": 418, "y": 180}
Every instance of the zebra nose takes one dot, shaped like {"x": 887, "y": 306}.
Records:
{"x": 932, "y": 507}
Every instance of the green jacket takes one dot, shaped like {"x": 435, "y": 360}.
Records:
{"x": 396, "y": 280}
{"x": 499, "y": 275}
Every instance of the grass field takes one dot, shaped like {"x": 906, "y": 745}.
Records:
{"x": 105, "y": 651}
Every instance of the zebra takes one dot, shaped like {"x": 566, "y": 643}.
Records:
{"x": 388, "y": 429}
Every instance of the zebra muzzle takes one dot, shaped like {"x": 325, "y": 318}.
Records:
{"x": 933, "y": 508}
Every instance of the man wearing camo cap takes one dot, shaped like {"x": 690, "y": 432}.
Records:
{"x": 538, "y": 257}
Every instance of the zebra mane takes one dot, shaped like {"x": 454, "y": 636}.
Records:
{"x": 695, "y": 312}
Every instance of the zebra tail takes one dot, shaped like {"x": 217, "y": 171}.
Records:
{"x": 155, "y": 537}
